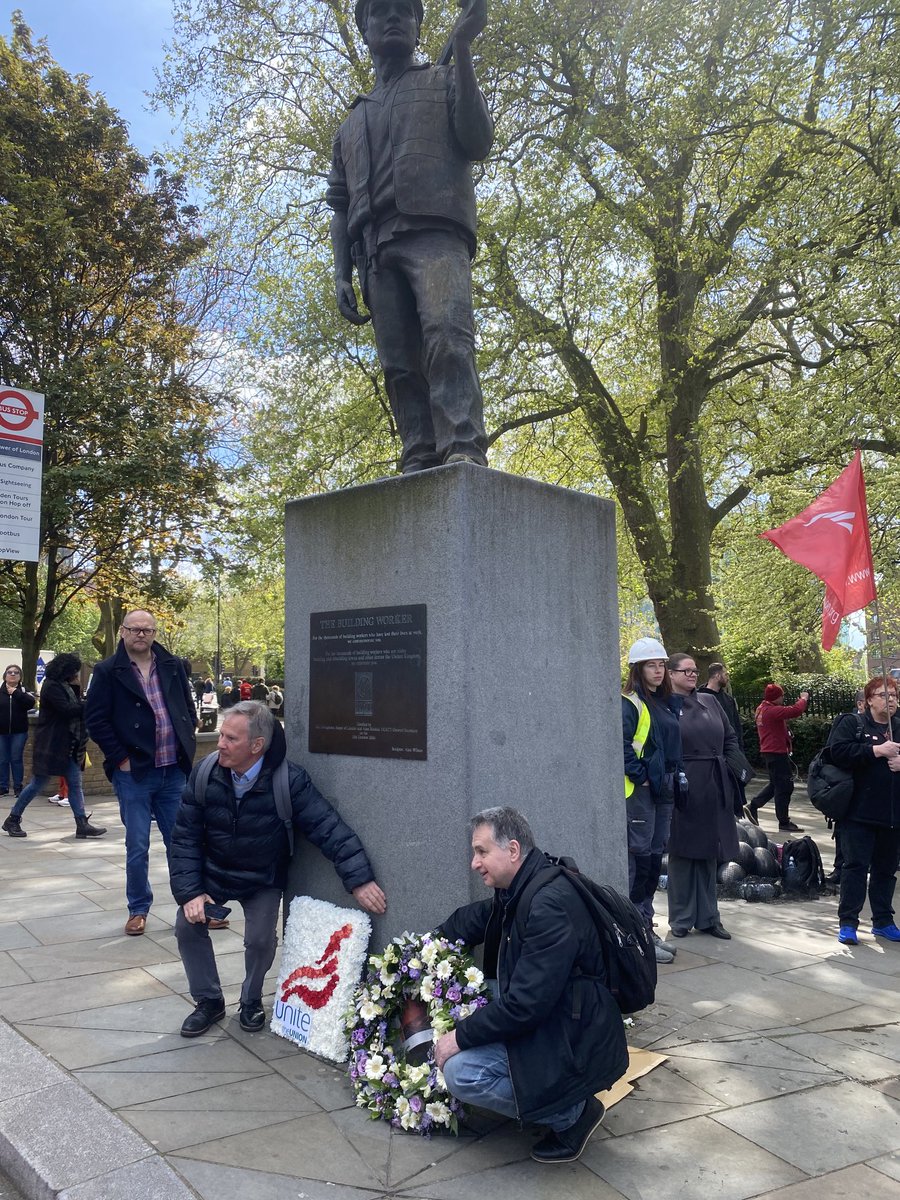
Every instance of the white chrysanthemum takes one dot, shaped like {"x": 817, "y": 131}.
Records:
{"x": 410, "y": 1119}
{"x": 474, "y": 976}
{"x": 368, "y": 1010}
{"x": 375, "y": 1066}
{"x": 444, "y": 969}
{"x": 429, "y": 954}
{"x": 402, "y": 1105}
{"x": 426, "y": 991}
{"x": 439, "y": 1112}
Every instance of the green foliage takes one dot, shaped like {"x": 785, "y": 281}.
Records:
{"x": 686, "y": 280}
{"x": 93, "y": 255}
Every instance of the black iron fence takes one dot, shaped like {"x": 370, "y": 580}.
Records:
{"x": 827, "y": 702}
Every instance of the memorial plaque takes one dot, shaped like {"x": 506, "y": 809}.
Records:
{"x": 367, "y": 682}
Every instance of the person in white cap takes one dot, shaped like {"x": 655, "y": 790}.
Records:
{"x": 652, "y": 746}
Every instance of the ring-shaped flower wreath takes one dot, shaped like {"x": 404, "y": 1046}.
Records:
{"x": 443, "y": 977}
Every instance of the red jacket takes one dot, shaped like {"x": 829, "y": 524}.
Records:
{"x": 771, "y": 725}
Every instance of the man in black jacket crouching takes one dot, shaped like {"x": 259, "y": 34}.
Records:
{"x": 552, "y": 1035}
{"x": 231, "y": 844}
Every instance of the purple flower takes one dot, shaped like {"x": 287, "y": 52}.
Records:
{"x": 416, "y": 1103}
{"x": 438, "y": 990}
{"x": 413, "y": 973}
{"x": 389, "y": 1079}
{"x": 359, "y": 1036}
{"x": 454, "y": 993}
{"x": 455, "y": 1011}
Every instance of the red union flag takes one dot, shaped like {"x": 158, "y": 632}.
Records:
{"x": 831, "y": 539}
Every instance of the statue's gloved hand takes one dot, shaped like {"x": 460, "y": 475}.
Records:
{"x": 472, "y": 21}
{"x": 346, "y": 302}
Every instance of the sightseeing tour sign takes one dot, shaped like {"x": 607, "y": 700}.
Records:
{"x": 21, "y": 470}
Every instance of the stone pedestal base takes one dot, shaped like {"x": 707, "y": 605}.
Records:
{"x": 519, "y": 580}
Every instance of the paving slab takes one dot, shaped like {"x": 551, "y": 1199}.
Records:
{"x": 772, "y": 997}
{"x": 888, "y": 1164}
{"x": 164, "y": 1014}
{"x": 853, "y": 1183}
{"x": 153, "y": 1179}
{"x": 260, "y": 1092}
{"x": 213, "y": 1181}
{"x": 122, "y": 1088}
{"x": 692, "y": 1160}
{"x": 84, "y": 927}
{"x": 850, "y": 1060}
{"x": 845, "y": 977}
{"x": 821, "y": 1130}
{"x": 75, "y": 1048}
{"x": 15, "y": 937}
{"x": 310, "y": 1147}
{"x": 27, "y": 1000}
{"x": 525, "y": 1179}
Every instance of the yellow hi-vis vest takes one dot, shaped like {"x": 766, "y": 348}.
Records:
{"x": 640, "y": 734}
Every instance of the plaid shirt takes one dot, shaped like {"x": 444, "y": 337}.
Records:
{"x": 166, "y": 750}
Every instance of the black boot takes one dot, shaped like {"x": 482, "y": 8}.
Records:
{"x": 84, "y": 828}
{"x": 13, "y": 826}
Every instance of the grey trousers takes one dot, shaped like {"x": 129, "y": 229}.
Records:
{"x": 260, "y": 942}
{"x": 692, "y": 893}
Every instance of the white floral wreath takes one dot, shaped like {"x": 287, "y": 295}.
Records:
{"x": 443, "y": 976}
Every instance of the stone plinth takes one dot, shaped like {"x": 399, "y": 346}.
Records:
{"x": 519, "y": 580}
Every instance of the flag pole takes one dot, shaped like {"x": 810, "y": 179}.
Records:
{"x": 881, "y": 656}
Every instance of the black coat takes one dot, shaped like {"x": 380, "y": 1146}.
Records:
{"x": 555, "y": 1059}
{"x": 230, "y": 850}
{"x": 703, "y": 821}
{"x": 121, "y": 721}
{"x": 14, "y": 709}
{"x": 876, "y": 788}
{"x": 730, "y": 708}
{"x": 60, "y": 734}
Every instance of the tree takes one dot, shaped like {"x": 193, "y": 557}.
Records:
{"x": 689, "y": 263}
{"x": 94, "y": 255}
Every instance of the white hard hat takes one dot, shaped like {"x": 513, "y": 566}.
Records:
{"x": 646, "y": 648}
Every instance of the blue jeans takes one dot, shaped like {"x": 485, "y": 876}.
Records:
{"x": 11, "y": 747}
{"x": 156, "y": 794}
{"x": 42, "y": 783}
{"x": 481, "y": 1076}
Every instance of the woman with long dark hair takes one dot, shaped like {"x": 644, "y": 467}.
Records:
{"x": 15, "y": 705}
{"x": 652, "y": 746}
{"x": 60, "y": 740}
{"x": 703, "y": 831}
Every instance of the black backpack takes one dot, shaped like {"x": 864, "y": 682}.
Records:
{"x": 830, "y": 787}
{"x": 628, "y": 952}
{"x": 801, "y": 867}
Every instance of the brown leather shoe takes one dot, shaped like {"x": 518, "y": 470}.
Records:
{"x": 136, "y": 924}
{"x": 216, "y": 923}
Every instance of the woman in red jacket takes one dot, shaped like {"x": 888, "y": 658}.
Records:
{"x": 772, "y": 717}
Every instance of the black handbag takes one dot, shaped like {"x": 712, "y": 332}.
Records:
{"x": 739, "y": 765}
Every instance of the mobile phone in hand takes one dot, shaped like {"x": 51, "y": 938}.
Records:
{"x": 215, "y": 912}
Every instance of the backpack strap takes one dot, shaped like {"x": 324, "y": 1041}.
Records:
{"x": 281, "y": 787}
{"x": 201, "y": 779}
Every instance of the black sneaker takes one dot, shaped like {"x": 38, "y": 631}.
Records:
{"x": 203, "y": 1017}
{"x": 751, "y": 814}
{"x": 790, "y": 827}
{"x": 568, "y": 1145}
{"x": 252, "y": 1016}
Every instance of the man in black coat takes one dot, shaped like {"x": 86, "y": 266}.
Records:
{"x": 715, "y": 686}
{"x": 140, "y": 712}
{"x": 552, "y": 1035}
{"x": 230, "y": 843}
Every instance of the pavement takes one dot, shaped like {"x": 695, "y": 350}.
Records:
{"x": 782, "y": 1076}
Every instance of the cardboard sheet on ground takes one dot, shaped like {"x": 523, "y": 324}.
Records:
{"x": 640, "y": 1062}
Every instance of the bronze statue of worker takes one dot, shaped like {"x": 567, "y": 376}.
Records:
{"x": 401, "y": 189}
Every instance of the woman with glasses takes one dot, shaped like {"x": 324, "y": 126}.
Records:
{"x": 870, "y": 833}
{"x": 703, "y": 831}
{"x": 59, "y": 745}
{"x": 652, "y": 746}
{"x": 15, "y": 705}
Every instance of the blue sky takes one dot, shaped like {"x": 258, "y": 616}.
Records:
{"x": 118, "y": 43}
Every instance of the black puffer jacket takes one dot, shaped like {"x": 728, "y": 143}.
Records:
{"x": 230, "y": 850}
{"x": 14, "y": 709}
{"x": 876, "y": 788}
{"x": 555, "y": 1058}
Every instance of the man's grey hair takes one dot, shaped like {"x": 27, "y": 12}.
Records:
{"x": 260, "y": 722}
{"x": 506, "y": 825}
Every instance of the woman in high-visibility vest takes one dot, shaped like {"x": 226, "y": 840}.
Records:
{"x": 652, "y": 747}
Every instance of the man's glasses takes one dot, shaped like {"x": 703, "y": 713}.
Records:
{"x": 685, "y": 671}
{"x": 139, "y": 629}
